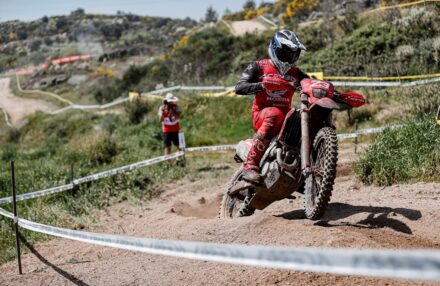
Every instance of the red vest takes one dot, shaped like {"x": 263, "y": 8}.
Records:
{"x": 281, "y": 98}
{"x": 169, "y": 123}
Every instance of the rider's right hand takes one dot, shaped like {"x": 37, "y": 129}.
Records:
{"x": 276, "y": 83}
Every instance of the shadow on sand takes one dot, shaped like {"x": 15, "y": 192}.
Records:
{"x": 378, "y": 217}
{"x": 65, "y": 274}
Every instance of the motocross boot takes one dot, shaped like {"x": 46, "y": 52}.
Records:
{"x": 251, "y": 166}
{"x": 246, "y": 209}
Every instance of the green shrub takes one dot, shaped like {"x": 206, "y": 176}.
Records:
{"x": 359, "y": 116}
{"x": 9, "y": 152}
{"x": 411, "y": 152}
{"x": 421, "y": 99}
{"x": 14, "y": 135}
{"x": 103, "y": 151}
{"x": 136, "y": 110}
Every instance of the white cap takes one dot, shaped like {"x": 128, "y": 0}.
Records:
{"x": 170, "y": 98}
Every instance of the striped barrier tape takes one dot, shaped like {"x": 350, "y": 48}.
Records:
{"x": 155, "y": 93}
{"x": 126, "y": 168}
{"x": 123, "y": 100}
{"x": 385, "y": 83}
{"x": 211, "y": 148}
{"x": 423, "y": 264}
{"x": 93, "y": 177}
{"x": 155, "y": 160}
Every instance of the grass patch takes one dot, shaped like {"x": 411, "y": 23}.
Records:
{"x": 410, "y": 153}
{"x": 48, "y": 146}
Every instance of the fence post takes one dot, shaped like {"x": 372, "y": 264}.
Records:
{"x": 182, "y": 147}
{"x": 14, "y": 207}
{"x": 355, "y": 138}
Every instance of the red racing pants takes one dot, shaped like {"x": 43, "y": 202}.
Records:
{"x": 267, "y": 124}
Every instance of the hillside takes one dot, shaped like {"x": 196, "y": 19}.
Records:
{"x": 34, "y": 42}
{"x": 386, "y": 193}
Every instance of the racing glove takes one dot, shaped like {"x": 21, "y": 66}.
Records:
{"x": 275, "y": 83}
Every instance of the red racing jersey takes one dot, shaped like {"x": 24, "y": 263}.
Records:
{"x": 251, "y": 79}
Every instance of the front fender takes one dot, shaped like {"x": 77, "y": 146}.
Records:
{"x": 326, "y": 103}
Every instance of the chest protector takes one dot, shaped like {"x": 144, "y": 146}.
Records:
{"x": 280, "y": 98}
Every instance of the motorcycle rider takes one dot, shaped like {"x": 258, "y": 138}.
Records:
{"x": 272, "y": 81}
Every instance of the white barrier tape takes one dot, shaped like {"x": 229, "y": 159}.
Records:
{"x": 6, "y": 214}
{"x": 163, "y": 90}
{"x": 408, "y": 264}
{"x": 60, "y": 110}
{"x": 116, "y": 102}
{"x": 37, "y": 194}
{"x": 126, "y": 168}
{"x": 346, "y": 136}
{"x": 90, "y": 178}
{"x": 211, "y": 148}
{"x": 268, "y": 21}
{"x": 120, "y": 101}
{"x": 202, "y": 88}
{"x": 384, "y": 83}
{"x": 366, "y": 131}
{"x": 157, "y": 160}
{"x": 199, "y": 88}
{"x": 422, "y": 81}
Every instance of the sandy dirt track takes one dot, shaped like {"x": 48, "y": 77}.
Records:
{"x": 18, "y": 108}
{"x": 401, "y": 216}
{"x": 240, "y": 28}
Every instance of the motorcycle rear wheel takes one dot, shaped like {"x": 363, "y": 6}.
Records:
{"x": 319, "y": 184}
{"x": 230, "y": 206}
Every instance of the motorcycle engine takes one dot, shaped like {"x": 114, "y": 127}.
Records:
{"x": 271, "y": 173}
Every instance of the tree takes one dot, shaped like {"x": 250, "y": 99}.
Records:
{"x": 211, "y": 15}
{"x": 35, "y": 45}
{"x": 249, "y": 5}
{"x": 77, "y": 12}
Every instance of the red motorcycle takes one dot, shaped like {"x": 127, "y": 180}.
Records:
{"x": 302, "y": 158}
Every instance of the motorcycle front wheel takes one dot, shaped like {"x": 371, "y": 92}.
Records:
{"x": 230, "y": 206}
{"x": 319, "y": 184}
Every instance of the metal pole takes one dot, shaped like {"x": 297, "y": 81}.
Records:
{"x": 72, "y": 191}
{"x": 14, "y": 208}
{"x": 71, "y": 173}
{"x": 355, "y": 138}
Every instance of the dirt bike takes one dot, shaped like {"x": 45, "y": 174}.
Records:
{"x": 302, "y": 158}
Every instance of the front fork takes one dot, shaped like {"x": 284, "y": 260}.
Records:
{"x": 305, "y": 136}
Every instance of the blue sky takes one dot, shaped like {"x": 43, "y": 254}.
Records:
{"x": 27, "y": 10}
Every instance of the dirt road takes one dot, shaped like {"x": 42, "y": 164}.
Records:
{"x": 18, "y": 108}
{"x": 401, "y": 216}
{"x": 240, "y": 28}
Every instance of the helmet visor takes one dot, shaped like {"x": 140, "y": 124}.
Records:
{"x": 287, "y": 55}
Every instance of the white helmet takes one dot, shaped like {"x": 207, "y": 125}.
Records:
{"x": 284, "y": 50}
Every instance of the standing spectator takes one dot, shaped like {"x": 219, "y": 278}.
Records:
{"x": 169, "y": 113}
